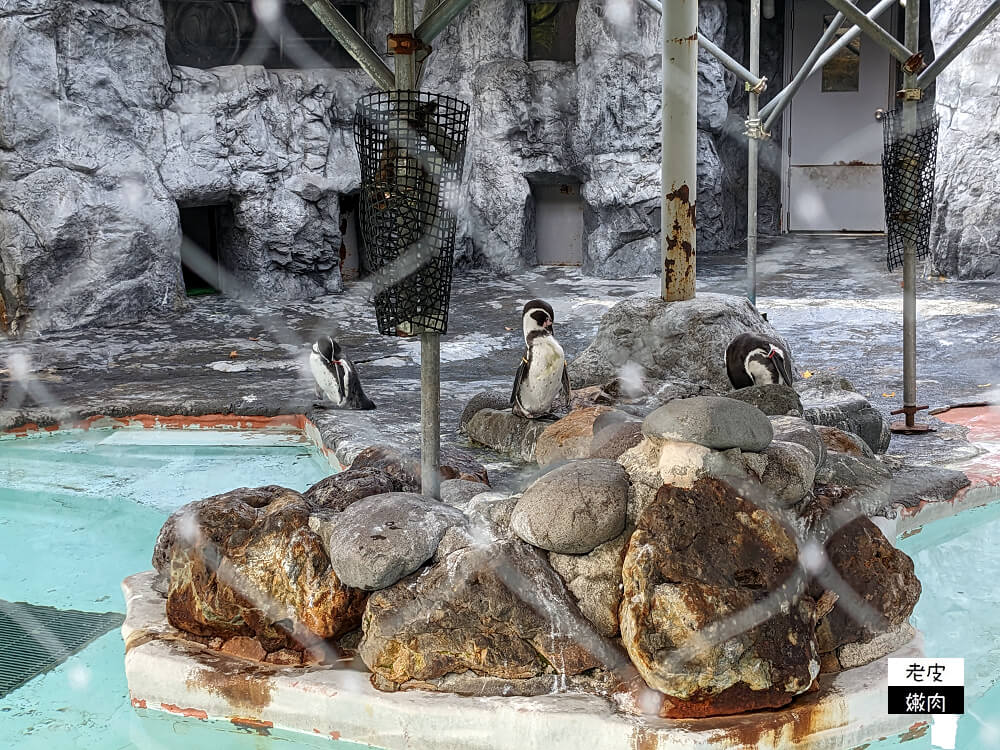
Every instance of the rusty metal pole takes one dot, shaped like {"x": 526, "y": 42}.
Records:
{"x": 679, "y": 137}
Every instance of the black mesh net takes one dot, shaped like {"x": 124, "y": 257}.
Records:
{"x": 412, "y": 146}
{"x": 908, "y": 163}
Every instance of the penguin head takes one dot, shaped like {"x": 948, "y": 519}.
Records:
{"x": 537, "y": 317}
{"x": 327, "y": 349}
{"x": 771, "y": 360}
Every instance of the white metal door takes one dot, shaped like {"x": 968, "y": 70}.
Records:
{"x": 834, "y": 142}
{"x": 558, "y": 224}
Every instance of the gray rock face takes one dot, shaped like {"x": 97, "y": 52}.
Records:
{"x": 381, "y": 539}
{"x": 773, "y": 400}
{"x": 798, "y": 430}
{"x": 867, "y": 482}
{"x": 965, "y": 235}
{"x": 786, "y": 470}
{"x": 834, "y": 403}
{"x": 458, "y": 492}
{"x": 574, "y": 508}
{"x": 595, "y": 581}
{"x": 337, "y": 492}
{"x": 483, "y": 400}
{"x": 677, "y": 341}
{"x": 712, "y": 421}
{"x": 124, "y": 139}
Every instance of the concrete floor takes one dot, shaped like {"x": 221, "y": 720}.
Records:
{"x": 831, "y": 297}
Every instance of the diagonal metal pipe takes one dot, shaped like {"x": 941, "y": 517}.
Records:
{"x": 942, "y": 61}
{"x": 721, "y": 55}
{"x": 352, "y": 41}
{"x": 882, "y": 37}
{"x": 874, "y": 14}
{"x": 772, "y": 109}
{"x": 437, "y": 19}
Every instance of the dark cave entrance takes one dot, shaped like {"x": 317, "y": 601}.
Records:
{"x": 202, "y": 259}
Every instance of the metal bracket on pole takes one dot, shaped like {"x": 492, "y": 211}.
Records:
{"x": 910, "y": 95}
{"x": 405, "y": 44}
{"x": 759, "y": 89}
{"x": 754, "y": 129}
{"x": 915, "y": 64}
{"x": 909, "y": 426}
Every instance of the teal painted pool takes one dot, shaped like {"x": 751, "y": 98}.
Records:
{"x": 79, "y": 512}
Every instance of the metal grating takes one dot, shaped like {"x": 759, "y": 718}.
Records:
{"x": 35, "y": 639}
{"x": 411, "y": 145}
{"x": 908, "y": 163}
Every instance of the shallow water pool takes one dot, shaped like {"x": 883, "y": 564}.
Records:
{"x": 80, "y": 511}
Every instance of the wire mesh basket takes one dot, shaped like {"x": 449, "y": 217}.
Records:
{"x": 411, "y": 145}
{"x": 908, "y": 164}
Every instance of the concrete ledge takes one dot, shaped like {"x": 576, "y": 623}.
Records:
{"x": 168, "y": 673}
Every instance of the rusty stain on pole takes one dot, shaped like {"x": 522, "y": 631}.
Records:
{"x": 679, "y": 138}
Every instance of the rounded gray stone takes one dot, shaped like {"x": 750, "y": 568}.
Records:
{"x": 377, "y": 541}
{"x": 790, "y": 471}
{"x": 458, "y": 492}
{"x": 773, "y": 400}
{"x": 712, "y": 421}
{"x": 575, "y": 508}
{"x": 801, "y": 431}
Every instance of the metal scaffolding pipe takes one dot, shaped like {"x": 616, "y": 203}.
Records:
{"x": 753, "y": 143}
{"x": 351, "y": 40}
{"x": 720, "y": 54}
{"x": 437, "y": 19}
{"x": 773, "y": 108}
{"x": 942, "y": 61}
{"x": 679, "y": 139}
{"x": 874, "y": 14}
{"x": 872, "y": 29}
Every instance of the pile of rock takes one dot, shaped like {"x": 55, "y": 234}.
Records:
{"x": 682, "y": 553}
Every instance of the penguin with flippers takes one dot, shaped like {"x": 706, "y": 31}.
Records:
{"x": 337, "y": 380}
{"x": 758, "y": 359}
{"x": 542, "y": 374}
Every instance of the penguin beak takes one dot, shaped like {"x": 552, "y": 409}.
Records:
{"x": 547, "y": 325}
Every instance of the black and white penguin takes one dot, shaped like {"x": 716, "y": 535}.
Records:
{"x": 336, "y": 376}
{"x": 756, "y": 359}
{"x": 542, "y": 374}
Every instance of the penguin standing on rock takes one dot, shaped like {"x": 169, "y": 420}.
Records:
{"x": 542, "y": 374}
{"x": 336, "y": 376}
{"x": 757, "y": 359}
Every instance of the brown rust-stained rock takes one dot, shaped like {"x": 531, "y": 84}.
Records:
{"x": 245, "y": 648}
{"x": 338, "y": 491}
{"x": 404, "y": 466}
{"x": 699, "y": 556}
{"x": 245, "y": 563}
{"x": 878, "y": 572}
{"x": 495, "y": 609}
{"x": 569, "y": 437}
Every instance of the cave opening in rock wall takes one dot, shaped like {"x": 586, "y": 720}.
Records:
{"x": 353, "y": 259}
{"x": 204, "y": 230}
{"x": 558, "y": 222}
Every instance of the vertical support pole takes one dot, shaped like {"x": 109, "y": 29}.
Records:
{"x": 430, "y": 341}
{"x": 679, "y": 137}
{"x": 911, "y": 40}
{"x": 753, "y": 128}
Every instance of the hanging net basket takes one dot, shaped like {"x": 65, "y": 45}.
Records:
{"x": 908, "y": 163}
{"x": 411, "y": 145}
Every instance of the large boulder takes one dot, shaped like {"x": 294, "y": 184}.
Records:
{"x": 683, "y": 341}
{"x": 884, "y": 587}
{"x": 802, "y": 432}
{"x": 712, "y": 421}
{"x": 573, "y": 508}
{"x": 698, "y": 558}
{"x": 379, "y": 540}
{"x": 492, "y": 610}
{"x": 404, "y": 465}
{"x": 483, "y": 400}
{"x": 340, "y": 490}
{"x": 506, "y": 433}
{"x": 246, "y": 563}
{"x": 569, "y": 437}
{"x": 832, "y": 401}
{"x": 866, "y": 481}
{"x": 785, "y": 470}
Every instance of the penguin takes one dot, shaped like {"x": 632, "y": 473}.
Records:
{"x": 756, "y": 359}
{"x": 542, "y": 374}
{"x": 336, "y": 376}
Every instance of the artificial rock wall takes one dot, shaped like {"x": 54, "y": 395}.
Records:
{"x": 101, "y": 142}
{"x": 966, "y": 232}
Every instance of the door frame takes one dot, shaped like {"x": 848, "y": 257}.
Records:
{"x": 784, "y": 211}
